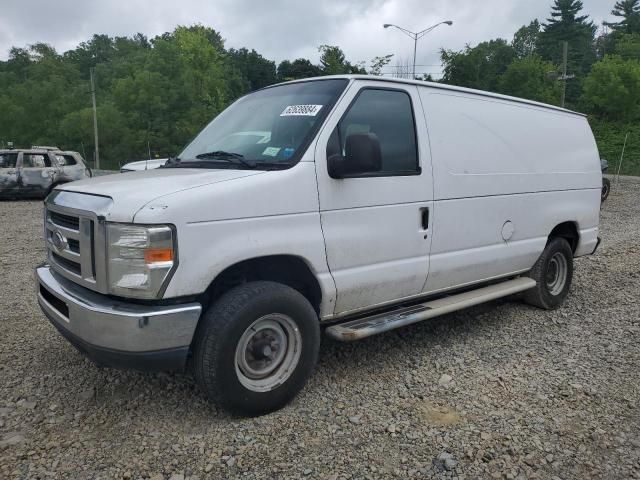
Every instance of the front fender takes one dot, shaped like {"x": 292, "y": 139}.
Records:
{"x": 234, "y": 241}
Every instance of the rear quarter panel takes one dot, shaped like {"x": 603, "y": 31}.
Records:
{"x": 497, "y": 161}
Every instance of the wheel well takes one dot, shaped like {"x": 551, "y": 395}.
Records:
{"x": 568, "y": 231}
{"x": 286, "y": 269}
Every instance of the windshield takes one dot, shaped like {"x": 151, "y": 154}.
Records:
{"x": 269, "y": 127}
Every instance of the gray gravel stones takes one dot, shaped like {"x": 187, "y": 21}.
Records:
{"x": 446, "y": 461}
{"x": 533, "y": 394}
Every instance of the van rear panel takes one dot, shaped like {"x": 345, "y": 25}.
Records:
{"x": 505, "y": 175}
{"x": 488, "y": 146}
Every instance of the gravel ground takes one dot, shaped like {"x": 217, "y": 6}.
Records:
{"x": 499, "y": 391}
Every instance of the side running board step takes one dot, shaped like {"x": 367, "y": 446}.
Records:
{"x": 383, "y": 322}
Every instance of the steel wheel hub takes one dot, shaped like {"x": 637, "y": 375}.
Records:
{"x": 268, "y": 352}
{"x": 556, "y": 276}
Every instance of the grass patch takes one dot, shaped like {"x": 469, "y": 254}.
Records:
{"x": 610, "y": 139}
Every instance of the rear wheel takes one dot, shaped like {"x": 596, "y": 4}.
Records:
{"x": 553, "y": 273}
{"x": 606, "y": 189}
{"x": 256, "y": 347}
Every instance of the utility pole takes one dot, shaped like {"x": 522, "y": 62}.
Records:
{"x": 565, "y": 55}
{"x": 95, "y": 120}
{"x": 564, "y": 77}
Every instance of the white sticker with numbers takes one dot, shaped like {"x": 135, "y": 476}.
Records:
{"x": 271, "y": 151}
{"x": 301, "y": 110}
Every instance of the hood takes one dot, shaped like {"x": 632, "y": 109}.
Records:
{"x": 132, "y": 190}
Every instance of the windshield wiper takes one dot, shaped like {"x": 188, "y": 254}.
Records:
{"x": 228, "y": 156}
{"x": 175, "y": 162}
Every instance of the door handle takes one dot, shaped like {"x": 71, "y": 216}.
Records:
{"x": 424, "y": 217}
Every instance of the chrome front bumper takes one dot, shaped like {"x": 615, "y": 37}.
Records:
{"x": 115, "y": 333}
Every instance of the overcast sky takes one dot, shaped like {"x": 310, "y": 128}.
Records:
{"x": 283, "y": 29}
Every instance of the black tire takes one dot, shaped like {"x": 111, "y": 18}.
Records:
{"x": 227, "y": 322}
{"x": 606, "y": 189}
{"x": 546, "y": 294}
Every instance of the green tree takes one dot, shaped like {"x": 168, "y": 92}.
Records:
{"x": 378, "y": 63}
{"x": 627, "y": 45}
{"x": 333, "y": 62}
{"x": 529, "y": 78}
{"x": 525, "y": 40}
{"x": 567, "y": 24}
{"x": 478, "y": 67}
{"x": 629, "y": 13}
{"x": 256, "y": 70}
{"x": 299, "y": 68}
{"x": 612, "y": 89}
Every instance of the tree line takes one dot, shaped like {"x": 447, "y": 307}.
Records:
{"x": 157, "y": 93}
{"x": 603, "y": 70}
{"x": 152, "y": 94}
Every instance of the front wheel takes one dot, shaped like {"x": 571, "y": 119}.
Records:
{"x": 553, "y": 273}
{"x": 256, "y": 347}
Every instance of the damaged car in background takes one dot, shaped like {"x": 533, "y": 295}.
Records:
{"x": 34, "y": 172}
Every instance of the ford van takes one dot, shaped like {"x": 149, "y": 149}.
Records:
{"x": 351, "y": 205}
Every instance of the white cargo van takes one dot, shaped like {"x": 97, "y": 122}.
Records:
{"x": 372, "y": 204}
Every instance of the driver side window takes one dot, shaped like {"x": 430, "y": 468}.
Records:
{"x": 387, "y": 116}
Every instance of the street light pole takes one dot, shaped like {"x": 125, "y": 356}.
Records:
{"x": 415, "y": 48}
{"x": 417, "y": 36}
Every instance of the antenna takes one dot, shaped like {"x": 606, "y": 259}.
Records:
{"x": 146, "y": 164}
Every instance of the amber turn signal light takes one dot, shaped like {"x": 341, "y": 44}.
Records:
{"x": 156, "y": 255}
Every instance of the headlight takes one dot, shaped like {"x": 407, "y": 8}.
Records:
{"x": 140, "y": 259}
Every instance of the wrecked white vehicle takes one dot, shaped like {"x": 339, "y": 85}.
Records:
{"x": 33, "y": 173}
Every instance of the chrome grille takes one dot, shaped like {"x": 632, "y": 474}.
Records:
{"x": 75, "y": 244}
{"x": 66, "y": 221}
{"x": 69, "y": 265}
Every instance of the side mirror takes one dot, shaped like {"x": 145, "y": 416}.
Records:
{"x": 362, "y": 155}
{"x": 336, "y": 166}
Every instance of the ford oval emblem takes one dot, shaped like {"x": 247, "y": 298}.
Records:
{"x": 59, "y": 242}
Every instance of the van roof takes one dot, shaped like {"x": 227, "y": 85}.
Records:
{"x": 442, "y": 86}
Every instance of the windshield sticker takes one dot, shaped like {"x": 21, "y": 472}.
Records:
{"x": 301, "y": 110}
{"x": 288, "y": 152}
{"x": 271, "y": 151}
